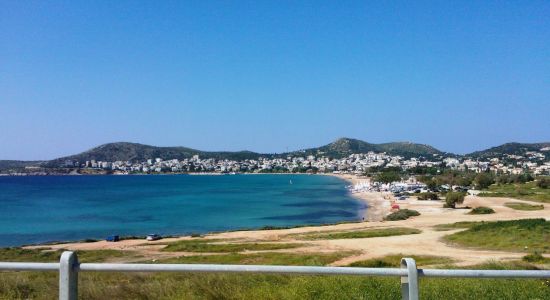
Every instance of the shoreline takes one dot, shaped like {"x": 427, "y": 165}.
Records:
{"x": 377, "y": 207}
{"x": 432, "y": 214}
{"x": 433, "y": 243}
{"x": 378, "y": 203}
{"x": 362, "y": 213}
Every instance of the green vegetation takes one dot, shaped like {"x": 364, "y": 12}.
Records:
{"x": 482, "y": 210}
{"x": 527, "y": 191}
{"x": 516, "y": 235}
{"x": 454, "y": 198}
{"x": 514, "y": 178}
{"x": 359, "y": 234}
{"x": 394, "y": 261}
{"x": 457, "y": 225}
{"x": 500, "y": 265}
{"x": 265, "y": 258}
{"x": 428, "y": 196}
{"x": 44, "y": 255}
{"x": 388, "y": 177}
{"x": 483, "y": 180}
{"x": 543, "y": 182}
{"x": 401, "y": 214}
{"x": 536, "y": 257}
{"x": 523, "y": 206}
{"x": 102, "y": 285}
{"x": 217, "y": 246}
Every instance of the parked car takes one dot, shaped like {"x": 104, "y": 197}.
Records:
{"x": 153, "y": 237}
{"x": 113, "y": 238}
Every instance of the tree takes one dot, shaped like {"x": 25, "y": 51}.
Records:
{"x": 388, "y": 177}
{"x": 483, "y": 180}
{"x": 454, "y": 198}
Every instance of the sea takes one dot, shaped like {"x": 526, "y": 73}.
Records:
{"x": 42, "y": 209}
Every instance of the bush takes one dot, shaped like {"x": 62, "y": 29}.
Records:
{"x": 543, "y": 182}
{"x": 401, "y": 214}
{"x": 454, "y": 198}
{"x": 484, "y": 180}
{"x": 428, "y": 196}
{"x": 482, "y": 210}
{"x": 534, "y": 257}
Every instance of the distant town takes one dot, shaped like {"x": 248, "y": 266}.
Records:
{"x": 533, "y": 162}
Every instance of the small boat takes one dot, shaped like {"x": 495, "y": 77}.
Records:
{"x": 290, "y": 181}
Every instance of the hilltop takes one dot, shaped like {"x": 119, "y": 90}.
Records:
{"x": 123, "y": 151}
{"x": 345, "y": 146}
{"x": 510, "y": 149}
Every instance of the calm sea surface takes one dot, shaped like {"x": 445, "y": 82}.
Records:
{"x": 61, "y": 208}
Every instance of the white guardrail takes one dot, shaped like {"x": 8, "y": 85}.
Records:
{"x": 69, "y": 267}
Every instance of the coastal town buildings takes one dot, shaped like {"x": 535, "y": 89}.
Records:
{"x": 532, "y": 162}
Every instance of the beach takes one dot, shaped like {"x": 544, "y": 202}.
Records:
{"x": 378, "y": 203}
{"x": 428, "y": 242}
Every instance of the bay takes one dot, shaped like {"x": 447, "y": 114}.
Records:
{"x": 38, "y": 209}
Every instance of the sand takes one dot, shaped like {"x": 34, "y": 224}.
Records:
{"x": 429, "y": 242}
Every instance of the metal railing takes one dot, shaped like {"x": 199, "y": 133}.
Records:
{"x": 69, "y": 267}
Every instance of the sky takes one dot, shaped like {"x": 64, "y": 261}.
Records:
{"x": 271, "y": 76}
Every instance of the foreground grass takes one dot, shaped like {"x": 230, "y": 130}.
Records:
{"x": 516, "y": 235}
{"x": 523, "y": 206}
{"x": 394, "y": 261}
{"x": 34, "y": 285}
{"x": 359, "y": 234}
{"x": 216, "y": 246}
{"x": 27, "y": 285}
{"x": 527, "y": 191}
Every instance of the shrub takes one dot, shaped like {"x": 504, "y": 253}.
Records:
{"x": 482, "y": 210}
{"x": 401, "y": 214}
{"x": 428, "y": 196}
{"x": 454, "y": 198}
{"x": 543, "y": 182}
{"x": 484, "y": 180}
{"x": 534, "y": 257}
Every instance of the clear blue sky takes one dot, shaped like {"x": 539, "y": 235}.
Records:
{"x": 271, "y": 75}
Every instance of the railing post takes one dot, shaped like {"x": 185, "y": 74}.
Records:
{"x": 68, "y": 276}
{"x": 409, "y": 283}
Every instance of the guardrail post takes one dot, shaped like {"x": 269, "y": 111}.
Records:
{"x": 68, "y": 276}
{"x": 409, "y": 283}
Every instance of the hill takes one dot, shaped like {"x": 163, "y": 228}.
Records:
{"x": 17, "y": 164}
{"x": 509, "y": 148}
{"x": 342, "y": 147}
{"x": 135, "y": 152}
{"x": 346, "y": 146}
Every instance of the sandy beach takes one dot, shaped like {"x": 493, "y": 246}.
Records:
{"x": 428, "y": 242}
{"x": 378, "y": 203}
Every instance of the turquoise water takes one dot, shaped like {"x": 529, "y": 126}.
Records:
{"x": 63, "y": 208}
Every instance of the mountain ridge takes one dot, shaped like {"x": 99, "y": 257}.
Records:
{"x": 127, "y": 151}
